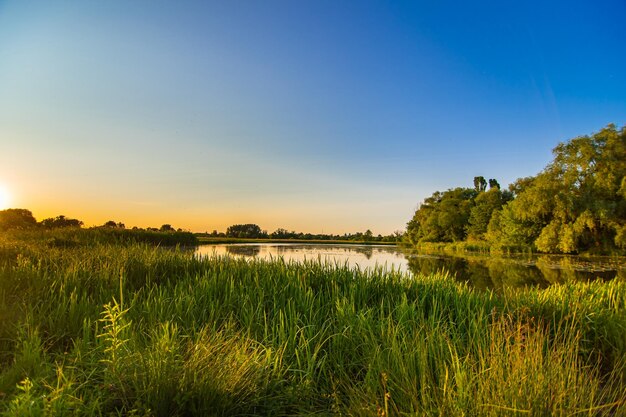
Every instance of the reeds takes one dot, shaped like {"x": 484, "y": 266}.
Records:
{"x": 110, "y": 329}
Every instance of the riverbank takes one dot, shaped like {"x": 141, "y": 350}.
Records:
{"x": 485, "y": 248}
{"x": 217, "y": 240}
{"x": 135, "y": 329}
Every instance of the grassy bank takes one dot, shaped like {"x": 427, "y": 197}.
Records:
{"x": 465, "y": 247}
{"x": 482, "y": 247}
{"x": 68, "y": 237}
{"x": 112, "y": 329}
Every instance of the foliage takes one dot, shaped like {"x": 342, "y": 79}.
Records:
{"x": 167, "y": 228}
{"x": 113, "y": 223}
{"x": 16, "y": 219}
{"x": 73, "y": 237}
{"x": 220, "y": 336}
{"x": 576, "y": 204}
{"x": 60, "y": 221}
{"x": 245, "y": 231}
{"x": 485, "y": 204}
{"x": 443, "y": 217}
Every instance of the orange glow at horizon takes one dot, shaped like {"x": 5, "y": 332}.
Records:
{"x": 5, "y": 197}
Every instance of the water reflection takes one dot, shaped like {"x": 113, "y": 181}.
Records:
{"x": 482, "y": 272}
{"x": 495, "y": 272}
{"x": 362, "y": 256}
{"x": 244, "y": 250}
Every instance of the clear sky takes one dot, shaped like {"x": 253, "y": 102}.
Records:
{"x": 319, "y": 116}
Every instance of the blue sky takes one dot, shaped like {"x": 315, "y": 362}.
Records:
{"x": 330, "y": 116}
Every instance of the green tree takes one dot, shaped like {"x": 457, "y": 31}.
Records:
{"x": 250, "y": 231}
{"x": 60, "y": 221}
{"x": 480, "y": 184}
{"x": 493, "y": 184}
{"x": 443, "y": 217}
{"x": 113, "y": 224}
{"x": 16, "y": 219}
{"x": 281, "y": 233}
{"x": 577, "y": 203}
{"x": 485, "y": 204}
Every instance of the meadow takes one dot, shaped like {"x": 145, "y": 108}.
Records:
{"x": 95, "y": 324}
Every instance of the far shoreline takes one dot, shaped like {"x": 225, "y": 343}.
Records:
{"x": 204, "y": 240}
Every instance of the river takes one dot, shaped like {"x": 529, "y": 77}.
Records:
{"x": 480, "y": 271}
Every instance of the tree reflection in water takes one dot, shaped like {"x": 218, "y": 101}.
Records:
{"x": 496, "y": 273}
{"x": 243, "y": 250}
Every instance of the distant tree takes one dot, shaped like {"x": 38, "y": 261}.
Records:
{"x": 283, "y": 234}
{"x": 480, "y": 184}
{"x": 17, "y": 219}
{"x": 245, "y": 231}
{"x": 167, "y": 228}
{"x": 60, "y": 221}
{"x": 114, "y": 224}
{"x": 493, "y": 184}
{"x": 368, "y": 235}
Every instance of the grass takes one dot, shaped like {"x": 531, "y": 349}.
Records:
{"x": 131, "y": 329}
{"x": 470, "y": 247}
{"x": 483, "y": 247}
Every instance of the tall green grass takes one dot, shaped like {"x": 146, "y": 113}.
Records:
{"x": 111, "y": 329}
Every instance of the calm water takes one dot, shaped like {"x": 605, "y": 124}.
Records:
{"x": 480, "y": 271}
{"x": 363, "y": 256}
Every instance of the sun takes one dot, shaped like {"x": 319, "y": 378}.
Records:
{"x": 5, "y": 197}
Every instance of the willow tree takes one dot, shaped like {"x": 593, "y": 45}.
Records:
{"x": 578, "y": 202}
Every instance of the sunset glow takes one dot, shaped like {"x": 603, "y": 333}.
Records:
{"x": 5, "y": 199}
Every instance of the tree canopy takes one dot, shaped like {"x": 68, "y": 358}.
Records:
{"x": 16, "y": 219}
{"x": 60, "y": 221}
{"x": 577, "y": 203}
{"x": 249, "y": 230}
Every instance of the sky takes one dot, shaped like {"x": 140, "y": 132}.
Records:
{"x": 320, "y": 116}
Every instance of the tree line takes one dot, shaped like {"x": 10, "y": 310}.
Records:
{"x": 23, "y": 219}
{"x": 576, "y": 204}
{"x": 254, "y": 231}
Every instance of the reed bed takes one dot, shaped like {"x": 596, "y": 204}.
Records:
{"x": 137, "y": 330}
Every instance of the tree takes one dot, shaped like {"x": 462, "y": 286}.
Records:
{"x": 480, "y": 184}
{"x": 485, "y": 204}
{"x": 17, "y": 219}
{"x": 443, "y": 217}
{"x": 281, "y": 233}
{"x": 577, "y": 203}
{"x": 250, "y": 231}
{"x": 60, "y": 221}
{"x": 167, "y": 228}
{"x": 113, "y": 224}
